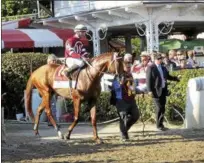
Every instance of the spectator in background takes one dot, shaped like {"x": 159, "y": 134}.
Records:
{"x": 173, "y": 57}
{"x": 191, "y": 59}
{"x": 168, "y": 63}
{"x": 124, "y": 91}
{"x": 51, "y": 59}
{"x": 139, "y": 71}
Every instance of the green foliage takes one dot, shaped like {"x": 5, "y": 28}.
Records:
{"x": 177, "y": 99}
{"x": 11, "y": 7}
{"x": 15, "y": 71}
{"x": 105, "y": 111}
{"x": 137, "y": 43}
{"x": 16, "y": 9}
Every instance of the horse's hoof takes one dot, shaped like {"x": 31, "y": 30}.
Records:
{"x": 99, "y": 141}
{"x": 37, "y": 134}
{"x": 66, "y": 136}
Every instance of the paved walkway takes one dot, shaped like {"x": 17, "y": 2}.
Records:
{"x": 15, "y": 128}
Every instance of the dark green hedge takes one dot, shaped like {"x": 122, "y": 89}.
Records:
{"x": 16, "y": 70}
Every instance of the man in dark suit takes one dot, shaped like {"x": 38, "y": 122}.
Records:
{"x": 156, "y": 77}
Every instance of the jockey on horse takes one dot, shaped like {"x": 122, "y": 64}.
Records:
{"x": 75, "y": 51}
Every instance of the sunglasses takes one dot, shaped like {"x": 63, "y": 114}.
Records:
{"x": 127, "y": 63}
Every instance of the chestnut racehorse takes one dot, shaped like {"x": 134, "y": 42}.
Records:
{"x": 88, "y": 88}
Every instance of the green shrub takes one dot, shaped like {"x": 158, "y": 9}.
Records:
{"x": 177, "y": 99}
{"x": 15, "y": 71}
{"x": 105, "y": 111}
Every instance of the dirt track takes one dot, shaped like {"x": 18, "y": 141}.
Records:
{"x": 175, "y": 145}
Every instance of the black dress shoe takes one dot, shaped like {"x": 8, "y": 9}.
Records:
{"x": 162, "y": 128}
{"x": 124, "y": 136}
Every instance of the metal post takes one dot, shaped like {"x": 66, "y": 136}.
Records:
{"x": 52, "y": 3}
{"x": 38, "y": 7}
{"x": 128, "y": 45}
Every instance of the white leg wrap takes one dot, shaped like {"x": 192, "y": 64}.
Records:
{"x": 59, "y": 134}
{"x": 35, "y": 127}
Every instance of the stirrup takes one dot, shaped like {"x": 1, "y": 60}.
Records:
{"x": 69, "y": 76}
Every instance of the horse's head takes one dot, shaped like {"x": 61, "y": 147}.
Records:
{"x": 110, "y": 62}
{"x": 115, "y": 65}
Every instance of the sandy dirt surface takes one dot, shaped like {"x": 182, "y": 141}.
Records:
{"x": 175, "y": 145}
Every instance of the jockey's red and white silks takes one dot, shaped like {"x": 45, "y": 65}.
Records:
{"x": 75, "y": 48}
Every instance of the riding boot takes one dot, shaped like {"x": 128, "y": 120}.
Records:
{"x": 71, "y": 70}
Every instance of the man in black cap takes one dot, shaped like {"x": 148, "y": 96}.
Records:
{"x": 156, "y": 78}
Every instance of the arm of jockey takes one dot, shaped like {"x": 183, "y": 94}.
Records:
{"x": 84, "y": 53}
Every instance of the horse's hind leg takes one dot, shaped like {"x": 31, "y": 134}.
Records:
{"x": 77, "y": 104}
{"x": 37, "y": 117}
{"x": 93, "y": 122}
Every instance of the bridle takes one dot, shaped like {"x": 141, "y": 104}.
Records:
{"x": 114, "y": 60}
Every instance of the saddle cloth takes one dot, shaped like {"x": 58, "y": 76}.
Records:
{"x": 60, "y": 80}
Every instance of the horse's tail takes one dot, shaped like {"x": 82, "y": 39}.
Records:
{"x": 28, "y": 98}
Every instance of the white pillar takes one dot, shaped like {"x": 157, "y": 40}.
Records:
{"x": 96, "y": 42}
{"x": 152, "y": 35}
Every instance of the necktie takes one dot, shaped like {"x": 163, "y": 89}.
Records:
{"x": 162, "y": 75}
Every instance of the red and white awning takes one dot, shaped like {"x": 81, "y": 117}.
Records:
{"x": 29, "y": 38}
{"x": 22, "y": 23}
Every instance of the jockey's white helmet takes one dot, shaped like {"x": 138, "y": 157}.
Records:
{"x": 80, "y": 27}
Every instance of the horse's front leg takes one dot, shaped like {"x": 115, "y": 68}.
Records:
{"x": 49, "y": 114}
{"x": 93, "y": 121}
{"x": 77, "y": 105}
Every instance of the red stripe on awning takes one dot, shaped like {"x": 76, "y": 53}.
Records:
{"x": 16, "y": 39}
{"x": 24, "y": 23}
{"x": 64, "y": 34}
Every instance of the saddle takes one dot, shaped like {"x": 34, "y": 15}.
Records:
{"x": 61, "y": 80}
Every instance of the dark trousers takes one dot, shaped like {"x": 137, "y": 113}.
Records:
{"x": 128, "y": 113}
{"x": 160, "y": 103}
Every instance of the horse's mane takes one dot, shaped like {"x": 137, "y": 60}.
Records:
{"x": 101, "y": 56}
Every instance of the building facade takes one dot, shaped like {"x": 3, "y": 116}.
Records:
{"x": 147, "y": 19}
